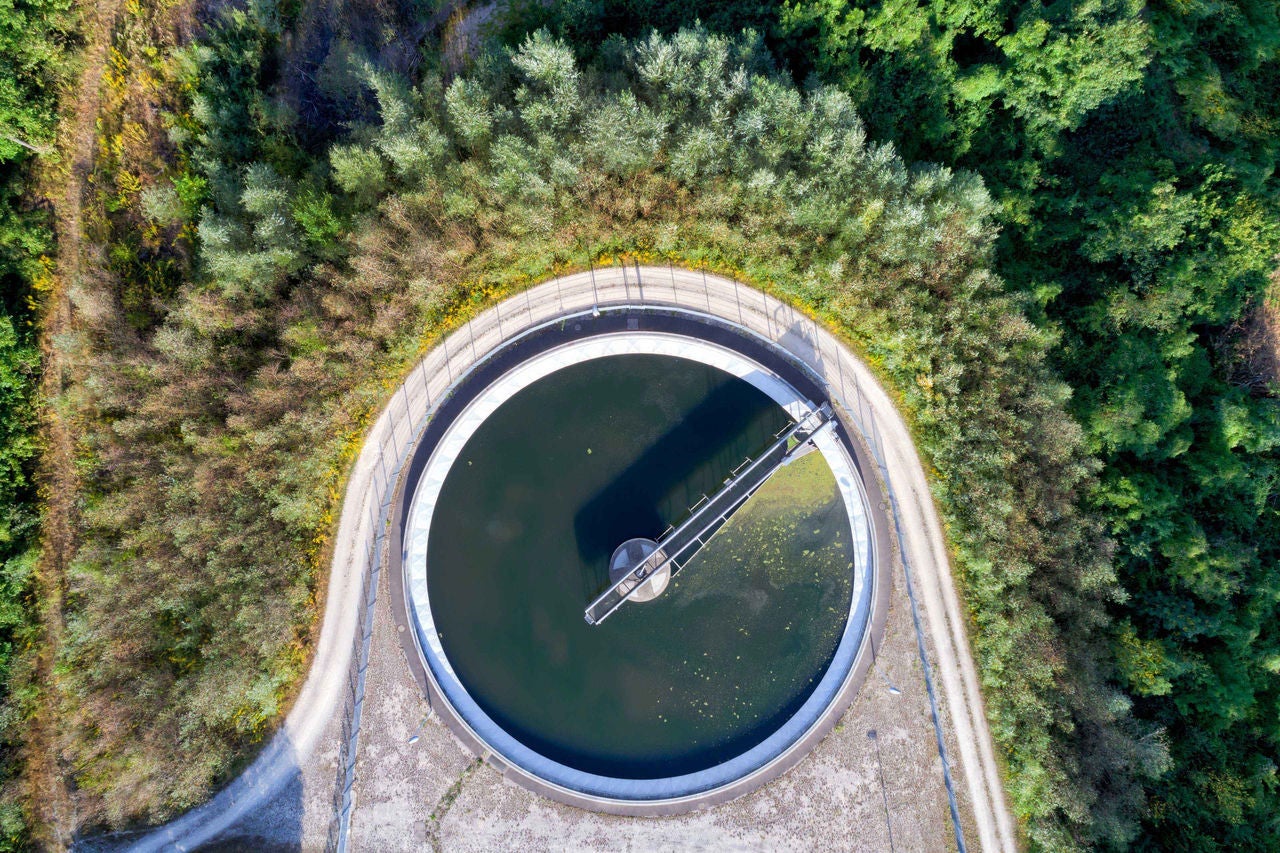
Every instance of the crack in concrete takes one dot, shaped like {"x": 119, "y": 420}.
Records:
{"x": 446, "y": 802}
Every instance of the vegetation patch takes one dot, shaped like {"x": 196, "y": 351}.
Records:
{"x": 36, "y": 38}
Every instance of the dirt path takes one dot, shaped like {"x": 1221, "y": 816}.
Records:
{"x": 64, "y": 184}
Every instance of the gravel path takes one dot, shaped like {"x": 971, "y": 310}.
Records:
{"x": 294, "y": 779}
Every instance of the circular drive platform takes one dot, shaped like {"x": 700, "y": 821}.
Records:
{"x": 522, "y": 474}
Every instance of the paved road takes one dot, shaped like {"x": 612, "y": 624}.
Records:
{"x": 307, "y": 745}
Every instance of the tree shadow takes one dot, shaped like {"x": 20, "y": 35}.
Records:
{"x": 631, "y": 505}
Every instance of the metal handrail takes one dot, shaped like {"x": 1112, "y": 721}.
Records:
{"x": 824, "y": 416}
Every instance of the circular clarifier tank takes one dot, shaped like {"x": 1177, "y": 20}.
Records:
{"x": 553, "y": 475}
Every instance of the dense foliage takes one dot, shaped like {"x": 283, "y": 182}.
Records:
{"x": 33, "y": 38}
{"x": 19, "y": 364}
{"x": 1132, "y": 150}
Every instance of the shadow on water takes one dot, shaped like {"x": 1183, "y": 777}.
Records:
{"x": 631, "y": 505}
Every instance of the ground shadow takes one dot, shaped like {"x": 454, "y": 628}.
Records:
{"x": 274, "y": 826}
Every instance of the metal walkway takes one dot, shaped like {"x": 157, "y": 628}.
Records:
{"x": 680, "y": 544}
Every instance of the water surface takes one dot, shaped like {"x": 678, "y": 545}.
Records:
{"x": 528, "y": 517}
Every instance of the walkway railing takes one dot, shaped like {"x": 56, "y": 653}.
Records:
{"x": 680, "y": 545}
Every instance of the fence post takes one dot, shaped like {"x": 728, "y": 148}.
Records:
{"x": 595, "y": 293}
{"x": 408, "y": 415}
{"x": 844, "y": 393}
{"x": 391, "y": 422}
{"x": 426, "y": 381}
{"x": 862, "y": 404}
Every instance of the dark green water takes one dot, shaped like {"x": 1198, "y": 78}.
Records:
{"x": 560, "y": 475}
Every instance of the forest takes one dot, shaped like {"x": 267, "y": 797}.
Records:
{"x": 35, "y": 40}
{"x": 1053, "y": 229}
